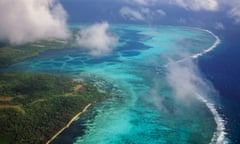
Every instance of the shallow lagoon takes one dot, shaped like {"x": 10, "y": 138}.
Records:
{"x": 143, "y": 108}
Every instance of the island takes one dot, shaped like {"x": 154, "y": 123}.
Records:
{"x": 36, "y": 107}
{"x": 11, "y": 54}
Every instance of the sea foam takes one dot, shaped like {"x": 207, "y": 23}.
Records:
{"x": 216, "y": 43}
{"x": 219, "y": 135}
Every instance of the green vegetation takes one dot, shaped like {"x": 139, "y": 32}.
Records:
{"x": 33, "y": 107}
{"x": 10, "y": 54}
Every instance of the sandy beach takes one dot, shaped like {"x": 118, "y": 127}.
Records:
{"x": 68, "y": 124}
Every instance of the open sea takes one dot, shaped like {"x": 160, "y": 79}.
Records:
{"x": 166, "y": 87}
{"x": 221, "y": 67}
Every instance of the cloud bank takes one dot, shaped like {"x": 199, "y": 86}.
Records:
{"x": 97, "y": 39}
{"x": 25, "y": 21}
{"x": 197, "y": 5}
{"x": 231, "y": 7}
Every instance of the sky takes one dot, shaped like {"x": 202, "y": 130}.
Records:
{"x": 180, "y": 12}
{"x": 24, "y": 21}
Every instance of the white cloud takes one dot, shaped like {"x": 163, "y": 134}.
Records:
{"x": 197, "y": 5}
{"x": 25, "y": 21}
{"x": 97, "y": 39}
{"x": 235, "y": 12}
{"x": 144, "y": 2}
{"x": 131, "y": 14}
{"x": 219, "y": 26}
{"x": 145, "y": 10}
{"x": 141, "y": 2}
{"x": 147, "y": 13}
{"x": 182, "y": 20}
{"x": 161, "y": 12}
{"x": 232, "y": 7}
{"x": 144, "y": 13}
{"x": 185, "y": 79}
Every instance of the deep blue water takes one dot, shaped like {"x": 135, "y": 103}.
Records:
{"x": 222, "y": 68}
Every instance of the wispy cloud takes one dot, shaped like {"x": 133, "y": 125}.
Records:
{"x": 219, "y": 26}
{"x": 230, "y": 7}
{"x": 187, "y": 83}
{"x": 145, "y": 2}
{"x": 161, "y": 12}
{"x": 235, "y": 12}
{"x": 141, "y": 2}
{"x": 197, "y": 5}
{"x": 141, "y": 14}
{"x": 131, "y": 14}
{"x": 185, "y": 79}
{"x": 97, "y": 39}
{"x": 25, "y": 21}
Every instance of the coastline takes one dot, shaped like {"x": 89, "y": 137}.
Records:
{"x": 215, "y": 44}
{"x": 197, "y": 55}
{"x": 68, "y": 124}
{"x": 219, "y": 135}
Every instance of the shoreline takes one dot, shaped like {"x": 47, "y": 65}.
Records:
{"x": 215, "y": 44}
{"x": 197, "y": 55}
{"x": 68, "y": 124}
{"x": 219, "y": 135}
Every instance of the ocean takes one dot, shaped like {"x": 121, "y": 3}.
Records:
{"x": 221, "y": 67}
{"x": 164, "y": 84}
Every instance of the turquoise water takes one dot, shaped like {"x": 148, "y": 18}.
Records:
{"x": 143, "y": 108}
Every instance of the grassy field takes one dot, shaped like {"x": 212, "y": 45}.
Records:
{"x": 33, "y": 107}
